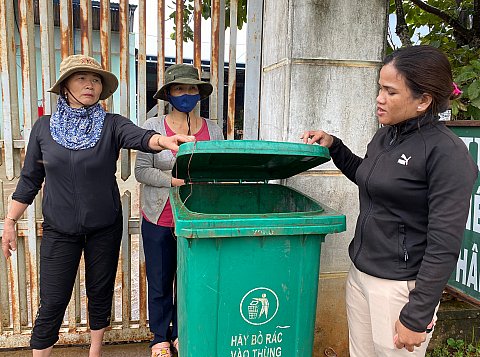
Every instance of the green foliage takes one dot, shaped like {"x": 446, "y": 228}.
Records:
{"x": 188, "y": 9}
{"x": 457, "y": 38}
{"x": 468, "y": 78}
{"x": 457, "y": 348}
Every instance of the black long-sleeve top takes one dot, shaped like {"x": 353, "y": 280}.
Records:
{"x": 415, "y": 185}
{"x": 80, "y": 192}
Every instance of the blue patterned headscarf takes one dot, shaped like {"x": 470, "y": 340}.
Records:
{"x": 77, "y": 128}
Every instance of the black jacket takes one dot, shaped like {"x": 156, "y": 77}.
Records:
{"x": 415, "y": 185}
{"x": 80, "y": 192}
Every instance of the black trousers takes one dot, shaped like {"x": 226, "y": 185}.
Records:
{"x": 59, "y": 260}
{"x": 160, "y": 248}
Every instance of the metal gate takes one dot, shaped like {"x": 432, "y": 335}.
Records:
{"x": 30, "y": 42}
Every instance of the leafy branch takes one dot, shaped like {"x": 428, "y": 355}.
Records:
{"x": 454, "y": 23}
{"x": 454, "y": 27}
{"x": 188, "y": 11}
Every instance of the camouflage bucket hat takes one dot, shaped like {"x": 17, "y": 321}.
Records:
{"x": 183, "y": 74}
{"x": 81, "y": 63}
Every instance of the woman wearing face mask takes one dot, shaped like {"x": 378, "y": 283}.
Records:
{"x": 73, "y": 154}
{"x": 183, "y": 90}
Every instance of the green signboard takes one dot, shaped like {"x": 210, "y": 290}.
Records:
{"x": 464, "y": 280}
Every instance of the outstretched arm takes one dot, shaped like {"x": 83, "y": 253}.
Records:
{"x": 161, "y": 142}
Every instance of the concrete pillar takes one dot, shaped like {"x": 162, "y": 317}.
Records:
{"x": 320, "y": 67}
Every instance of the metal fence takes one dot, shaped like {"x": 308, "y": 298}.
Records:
{"x": 19, "y": 290}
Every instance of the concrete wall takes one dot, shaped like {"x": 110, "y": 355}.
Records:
{"x": 319, "y": 71}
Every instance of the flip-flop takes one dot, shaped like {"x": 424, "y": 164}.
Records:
{"x": 161, "y": 351}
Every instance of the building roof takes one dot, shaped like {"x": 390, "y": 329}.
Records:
{"x": 114, "y": 14}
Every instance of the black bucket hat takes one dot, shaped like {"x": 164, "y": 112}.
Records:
{"x": 183, "y": 74}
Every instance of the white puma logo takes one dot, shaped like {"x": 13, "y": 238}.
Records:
{"x": 404, "y": 160}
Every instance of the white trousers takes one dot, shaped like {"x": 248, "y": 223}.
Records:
{"x": 373, "y": 307}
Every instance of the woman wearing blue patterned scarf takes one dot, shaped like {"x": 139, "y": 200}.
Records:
{"x": 73, "y": 154}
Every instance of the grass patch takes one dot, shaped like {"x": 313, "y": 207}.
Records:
{"x": 456, "y": 348}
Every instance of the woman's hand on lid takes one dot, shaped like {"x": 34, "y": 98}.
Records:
{"x": 317, "y": 136}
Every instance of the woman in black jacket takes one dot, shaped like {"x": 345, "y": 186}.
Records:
{"x": 73, "y": 153}
{"x": 415, "y": 184}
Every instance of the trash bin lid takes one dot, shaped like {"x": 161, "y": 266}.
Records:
{"x": 245, "y": 160}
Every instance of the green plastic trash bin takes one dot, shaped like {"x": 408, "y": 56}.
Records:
{"x": 248, "y": 251}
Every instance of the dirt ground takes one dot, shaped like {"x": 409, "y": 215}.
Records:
{"x": 127, "y": 350}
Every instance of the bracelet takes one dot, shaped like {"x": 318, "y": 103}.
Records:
{"x": 12, "y": 219}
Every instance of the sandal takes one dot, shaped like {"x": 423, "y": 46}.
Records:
{"x": 161, "y": 350}
{"x": 175, "y": 345}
